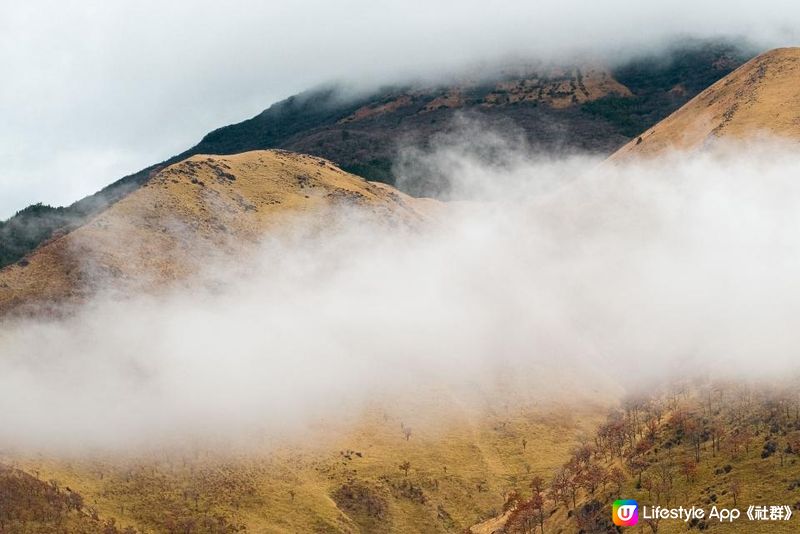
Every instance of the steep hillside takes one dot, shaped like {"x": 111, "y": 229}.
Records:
{"x": 571, "y": 107}
{"x": 705, "y": 444}
{"x": 762, "y": 97}
{"x": 31, "y": 505}
{"x": 184, "y": 215}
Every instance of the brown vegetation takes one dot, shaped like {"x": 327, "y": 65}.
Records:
{"x": 691, "y": 444}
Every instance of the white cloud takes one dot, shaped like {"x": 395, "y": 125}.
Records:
{"x": 615, "y": 277}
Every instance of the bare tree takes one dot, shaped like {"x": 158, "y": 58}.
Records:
{"x": 689, "y": 469}
{"x": 559, "y": 487}
{"x": 617, "y": 477}
{"x": 537, "y": 504}
{"x": 537, "y": 500}
{"x": 694, "y": 431}
{"x": 736, "y": 490}
{"x": 592, "y": 477}
{"x": 404, "y": 467}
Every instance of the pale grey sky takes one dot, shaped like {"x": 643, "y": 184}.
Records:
{"x": 94, "y": 90}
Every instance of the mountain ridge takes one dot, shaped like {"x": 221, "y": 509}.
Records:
{"x": 315, "y": 122}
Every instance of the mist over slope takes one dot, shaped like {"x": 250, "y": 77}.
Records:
{"x": 588, "y": 105}
{"x": 186, "y": 216}
{"x": 555, "y": 107}
{"x": 611, "y": 279}
{"x": 444, "y": 354}
{"x": 269, "y": 265}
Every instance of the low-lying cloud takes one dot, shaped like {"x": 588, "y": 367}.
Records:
{"x": 566, "y": 275}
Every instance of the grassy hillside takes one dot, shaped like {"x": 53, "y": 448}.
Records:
{"x": 567, "y": 108}
{"x": 507, "y": 469}
{"x": 186, "y": 215}
{"x": 388, "y": 473}
{"x": 762, "y": 97}
{"x": 700, "y": 444}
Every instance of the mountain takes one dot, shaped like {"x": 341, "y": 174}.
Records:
{"x": 762, "y": 97}
{"x": 558, "y": 108}
{"x": 152, "y": 235}
{"x": 697, "y": 442}
{"x": 479, "y": 469}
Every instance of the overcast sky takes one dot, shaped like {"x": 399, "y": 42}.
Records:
{"x": 94, "y": 90}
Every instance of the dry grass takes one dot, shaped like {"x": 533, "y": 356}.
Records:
{"x": 335, "y": 479}
{"x": 760, "y": 97}
{"x": 727, "y": 426}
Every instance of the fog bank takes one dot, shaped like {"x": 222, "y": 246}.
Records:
{"x": 560, "y": 276}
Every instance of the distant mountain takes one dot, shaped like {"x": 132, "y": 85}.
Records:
{"x": 572, "y": 107}
{"x": 761, "y": 97}
{"x": 568, "y": 107}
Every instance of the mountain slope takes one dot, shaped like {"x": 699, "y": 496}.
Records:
{"x": 183, "y": 216}
{"x": 340, "y": 479}
{"x": 28, "y": 504}
{"x": 576, "y": 107}
{"x": 761, "y": 97}
{"x": 704, "y": 444}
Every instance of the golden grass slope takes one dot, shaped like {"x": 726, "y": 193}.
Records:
{"x": 762, "y": 97}
{"x": 184, "y": 215}
{"x": 336, "y": 480}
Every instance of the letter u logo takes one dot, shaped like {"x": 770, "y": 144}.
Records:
{"x": 625, "y": 512}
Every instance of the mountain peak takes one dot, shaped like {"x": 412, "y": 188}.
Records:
{"x": 184, "y": 215}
